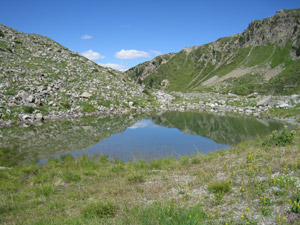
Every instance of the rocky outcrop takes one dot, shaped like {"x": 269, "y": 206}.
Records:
{"x": 282, "y": 27}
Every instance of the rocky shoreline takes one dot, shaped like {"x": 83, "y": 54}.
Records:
{"x": 252, "y": 105}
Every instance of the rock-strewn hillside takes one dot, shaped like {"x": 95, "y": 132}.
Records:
{"x": 264, "y": 58}
{"x": 40, "y": 79}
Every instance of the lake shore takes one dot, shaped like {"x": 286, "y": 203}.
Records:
{"x": 256, "y": 182}
{"x": 283, "y": 108}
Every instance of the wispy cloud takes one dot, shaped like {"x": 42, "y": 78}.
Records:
{"x": 131, "y": 54}
{"x": 86, "y": 37}
{"x": 115, "y": 66}
{"x": 157, "y": 53}
{"x": 90, "y": 54}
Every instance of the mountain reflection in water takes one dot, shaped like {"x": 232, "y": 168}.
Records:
{"x": 134, "y": 136}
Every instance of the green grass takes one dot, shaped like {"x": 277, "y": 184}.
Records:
{"x": 100, "y": 209}
{"x": 244, "y": 85}
{"x": 285, "y": 113}
{"x": 260, "y": 55}
{"x": 243, "y": 185}
{"x": 87, "y": 107}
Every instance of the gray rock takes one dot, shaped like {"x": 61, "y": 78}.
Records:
{"x": 265, "y": 101}
{"x": 40, "y": 88}
{"x": 39, "y": 117}
{"x": 22, "y": 95}
{"x": 85, "y": 95}
{"x": 284, "y": 105}
{"x": 30, "y": 99}
{"x": 26, "y": 117}
{"x": 248, "y": 111}
{"x": 130, "y": 104}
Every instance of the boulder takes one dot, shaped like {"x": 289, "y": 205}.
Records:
{"x": 284, "y": 105}
{"x": 85, "y": 95}
{"x": 26, "y": 117}
{"x": 30, "y": 99}
{"x": 265, "y": 101}
{"x": 22, "y": 95}
{"x": 39, "y": 117}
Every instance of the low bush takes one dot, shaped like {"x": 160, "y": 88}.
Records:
{"x": 220, "y": 187}
{"x": 100, "y": 209}
{"x": 280, "y": 139}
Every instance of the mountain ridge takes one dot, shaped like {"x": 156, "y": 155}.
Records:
{"x": 267, "y": 52}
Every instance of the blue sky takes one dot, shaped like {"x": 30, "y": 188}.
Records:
{"x": 125, "y": 33}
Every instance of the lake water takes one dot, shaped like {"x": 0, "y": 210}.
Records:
{"x": 133, "y": 137}
{"x": 147, "y": 140}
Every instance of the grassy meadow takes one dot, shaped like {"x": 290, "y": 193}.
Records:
{"x": 255, "y": 182}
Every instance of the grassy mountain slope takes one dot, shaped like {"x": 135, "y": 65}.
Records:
{"x": 264, "y": 58}
{"x": 38, "y": 75}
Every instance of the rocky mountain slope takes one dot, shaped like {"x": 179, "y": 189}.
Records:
{"x": 40, "y": 79}
{"x": 265, "y": 58}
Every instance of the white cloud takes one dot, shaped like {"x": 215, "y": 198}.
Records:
{"x": 131, "y": 54}
{"x": 157, "y": 53}
{"x": 86, "y": 36}
{"x": 140, "y": 124}
{"x": 115, "y": 66}
{"x": 90, "y": 54}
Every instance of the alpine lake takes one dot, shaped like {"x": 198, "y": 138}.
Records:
{"x": 131, "y": 137}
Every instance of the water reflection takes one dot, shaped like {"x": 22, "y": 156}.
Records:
{"x": 229, "y": 129}
{"x": 147, "y": 140}
{"x": 132, "y": 137}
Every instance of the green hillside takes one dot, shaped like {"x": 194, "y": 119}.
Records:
{"x": 264, "y": 59}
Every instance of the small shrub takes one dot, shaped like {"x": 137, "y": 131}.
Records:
{"x": 66, "y": 105}
{"x": 160, "y": 213}
{"x": 117, "y": 168}
{"x": 220, "y": 187}
{"x": 71, "y": 177}
{"x": 280, "y": 139}
{"x": 136, "y": 178}
{"x": 28, "y": 109}
{"x": 147, "y": 92}
{"x": 196, "y": 160}
{"x": 44, "y": 190}
{"x": 67, "y": 158}
{"x": 1, "y": 33}
{"x": 101, "y": 209}
{"x": 295, "y": 202}
{"x": 33, "y": 169}
{"x": 87, "y": 107}
{"x": 10, "y": 157}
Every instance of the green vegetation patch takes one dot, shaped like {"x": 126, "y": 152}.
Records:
{"x": 87, "y": 107}
{"x": 281, "y": 138}
{"x": 10, "y": 156}
{"x": 100, "y": 209}
{"x": 163, "y": 213}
